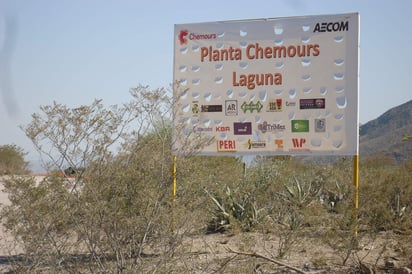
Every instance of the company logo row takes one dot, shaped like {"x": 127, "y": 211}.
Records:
{"x": 245, "y": 128}
{"x": 231, "y": 107}
{"x": 279, "y": 145}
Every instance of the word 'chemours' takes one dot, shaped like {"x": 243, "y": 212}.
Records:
{"x": 255, "y": 51}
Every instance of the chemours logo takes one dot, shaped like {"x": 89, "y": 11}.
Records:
{"x": 182, "y": 36}
{"x": 185, "y": 35}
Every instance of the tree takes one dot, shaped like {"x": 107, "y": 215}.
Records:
{"x": 12, "y": 160}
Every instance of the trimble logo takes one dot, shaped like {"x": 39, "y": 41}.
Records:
{"x": 184, "y": 36}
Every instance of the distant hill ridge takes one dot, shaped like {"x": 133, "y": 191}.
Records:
{"x": 385, "y": 134}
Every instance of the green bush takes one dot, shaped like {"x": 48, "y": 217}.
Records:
{"x": 12, "y": 160}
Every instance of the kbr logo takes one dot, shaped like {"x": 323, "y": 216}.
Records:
{"x": 222, "y": 129}
{"x": 182, "y": 36}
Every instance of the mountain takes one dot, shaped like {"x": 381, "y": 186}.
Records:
{"x": 388, "y": 134}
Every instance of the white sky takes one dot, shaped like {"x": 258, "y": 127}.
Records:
{"x": 73, "y": 51}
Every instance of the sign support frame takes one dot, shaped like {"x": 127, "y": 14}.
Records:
{"x": 356, "y": 193}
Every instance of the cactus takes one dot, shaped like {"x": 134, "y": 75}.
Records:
{"x": 233, "y": 207}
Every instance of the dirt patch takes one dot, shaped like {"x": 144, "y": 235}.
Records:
{"x": 259, "y": 253}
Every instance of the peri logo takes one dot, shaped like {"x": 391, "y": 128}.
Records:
{"x": 251, "y": 107}
{"x": 226, "y": 146}
{"x": 182, "y": 36}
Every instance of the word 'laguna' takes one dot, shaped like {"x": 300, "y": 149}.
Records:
{"x": 252, "y": 80}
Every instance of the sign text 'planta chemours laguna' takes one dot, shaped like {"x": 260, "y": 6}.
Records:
{"x": 281, "y": 86}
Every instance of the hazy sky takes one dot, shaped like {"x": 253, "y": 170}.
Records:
{"x": 73, "y": 51}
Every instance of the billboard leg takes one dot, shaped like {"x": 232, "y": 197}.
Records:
{"x": 174, "y": 179}
{"x": 173, "y": 226}
{"x": 356, "y": 193}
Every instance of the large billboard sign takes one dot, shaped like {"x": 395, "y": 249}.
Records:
{"x": 281, "y": 86}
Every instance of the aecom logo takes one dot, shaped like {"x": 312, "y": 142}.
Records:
{"x": 331, "y": 26}
{"x": 184, "y": 36}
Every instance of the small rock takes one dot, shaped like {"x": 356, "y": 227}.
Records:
{"x": 390, "y": 264}
{"x": 223, "y": 242}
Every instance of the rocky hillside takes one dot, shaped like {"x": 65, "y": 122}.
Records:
{"x": 390, "y": 134}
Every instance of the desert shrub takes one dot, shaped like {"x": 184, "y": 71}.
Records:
{"x": 342, "y": 237}
{"x": 12, "y": 160}
{"x": 385, "y": 195}
{"x": 39, "y": 218}
{"x": 116, "y": 206}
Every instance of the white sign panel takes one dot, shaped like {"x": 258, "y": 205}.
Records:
{"x": 282, "y": 86}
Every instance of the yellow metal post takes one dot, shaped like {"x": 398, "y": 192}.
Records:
{"x": 173, "y": 226}
{"x": 174, "y": 179}
{"x": 356, "y": 195}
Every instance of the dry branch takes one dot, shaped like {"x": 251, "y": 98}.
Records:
{"x": 257, "y": 255}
